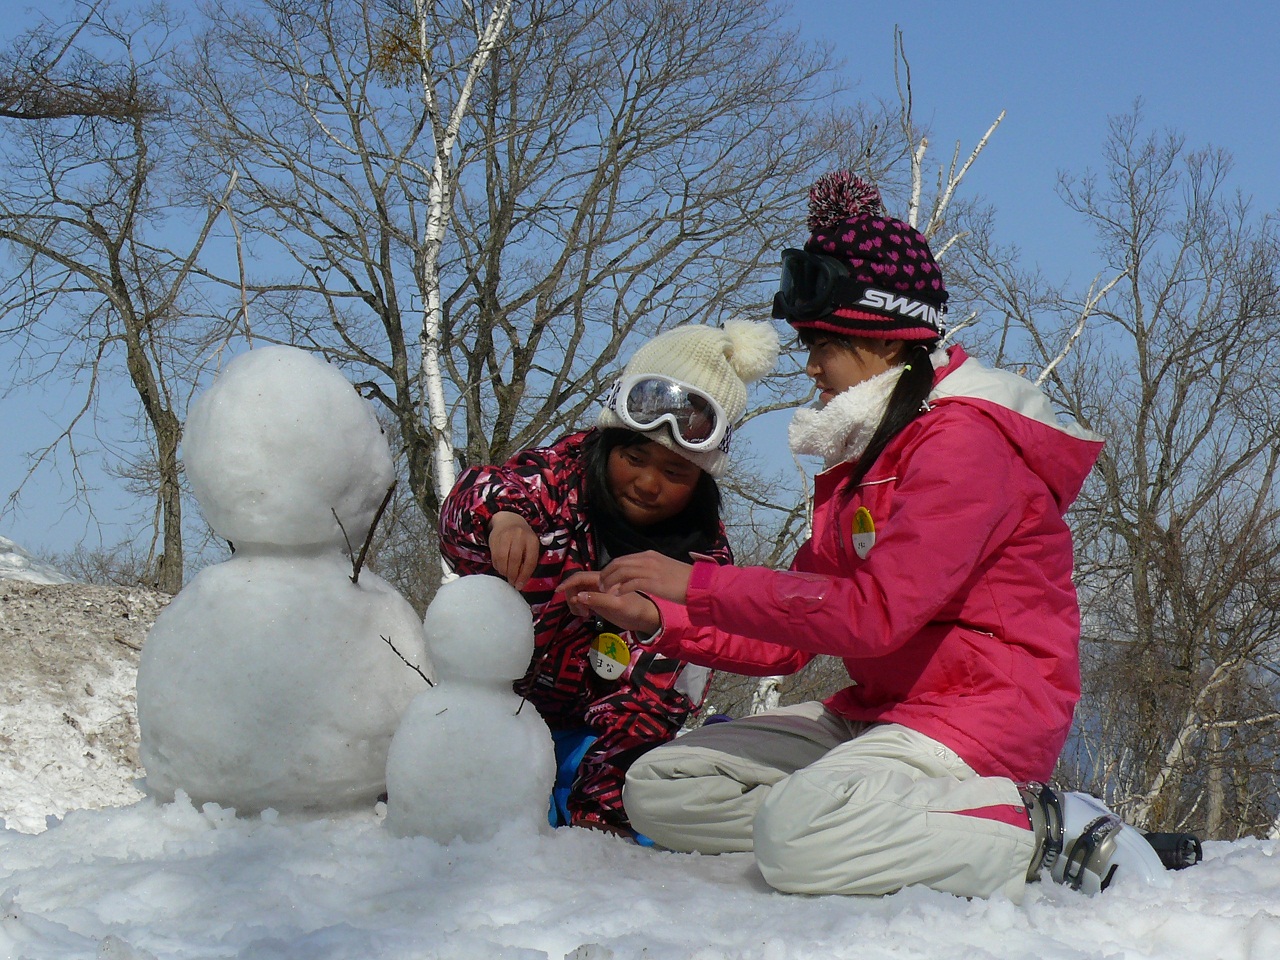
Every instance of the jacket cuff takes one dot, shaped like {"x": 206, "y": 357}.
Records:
{"x": 675, "y": 620}
{"x": 700, "y": 593}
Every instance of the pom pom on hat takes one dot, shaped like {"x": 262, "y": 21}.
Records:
{"x": 720, "y": 361}
{"x": 752, "y": 349}
{"x": 840, "y": 196}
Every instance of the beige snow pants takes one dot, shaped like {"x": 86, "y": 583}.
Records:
{"x": 829, "y": 805}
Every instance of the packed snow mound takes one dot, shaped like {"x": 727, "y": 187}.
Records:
{"x": 281, "y": 449}
{"x": 68, "y": 723}
{"x": 182, "y": 881}
{"x": 17, "y": 564}
{"x": 271, "y": 681}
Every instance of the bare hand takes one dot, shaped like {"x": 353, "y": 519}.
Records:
{"x": 630, "y": 611}
{"x": 513, "y": 547}
{"x": 575, "y": 587}
{"x": 649, "y": 572}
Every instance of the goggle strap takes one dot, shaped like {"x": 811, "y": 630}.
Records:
{"x": 848, "y": 294}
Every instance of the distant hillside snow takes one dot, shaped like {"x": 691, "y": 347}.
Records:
{"x": 17, "y": 564}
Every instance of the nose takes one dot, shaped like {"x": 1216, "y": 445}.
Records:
{"x": 648, "y": 482}
{"x": 811, "y": 367}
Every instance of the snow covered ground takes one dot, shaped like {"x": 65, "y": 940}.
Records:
{"x": 175, "y": 882}
{"x": 139, "y": 880}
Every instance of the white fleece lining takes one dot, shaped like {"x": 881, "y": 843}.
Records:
{"x": 842, "y": 429}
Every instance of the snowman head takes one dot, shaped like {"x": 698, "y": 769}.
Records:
{"x": 479, "y": 628}
{"x": 281, "y": 448}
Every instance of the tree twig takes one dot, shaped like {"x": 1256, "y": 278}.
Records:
{"x": 351, "y": 553}
{"x": 368, "y": 540}
{"x": 412, "y": 666}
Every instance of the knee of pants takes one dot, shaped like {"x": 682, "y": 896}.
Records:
{"x": 644, "y": 791}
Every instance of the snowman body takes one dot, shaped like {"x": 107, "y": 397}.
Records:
{"x": 470, "y": 758}
{"x": 271, "y": 680}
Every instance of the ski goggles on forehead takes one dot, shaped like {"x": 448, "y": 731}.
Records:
{"x": 645, "y": 401}
{"x": 814, "y": 285}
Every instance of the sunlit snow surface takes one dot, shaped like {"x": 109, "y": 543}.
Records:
{"x": 17, "y": 564}
{"x": 171, "y": 881}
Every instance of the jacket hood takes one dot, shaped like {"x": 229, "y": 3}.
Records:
{"x": 1058, "y": 450}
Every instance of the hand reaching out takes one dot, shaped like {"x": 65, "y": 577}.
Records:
{"x": 649, "y": 572}
{"x": 513, "y": 547}
{"x": 630, "y": 611}
{"x": 615, "y": 593}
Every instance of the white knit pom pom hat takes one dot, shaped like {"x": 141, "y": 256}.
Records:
{"x": 720, "y": 361}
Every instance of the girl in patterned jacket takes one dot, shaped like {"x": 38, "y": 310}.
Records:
{"x": 643, "y": 479}
{"x": 939, "y": 570}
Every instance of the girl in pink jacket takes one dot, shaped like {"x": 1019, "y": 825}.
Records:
{"x": 939, "y": 570}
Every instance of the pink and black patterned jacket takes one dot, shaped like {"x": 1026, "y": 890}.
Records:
{"x": 643, "y": 707}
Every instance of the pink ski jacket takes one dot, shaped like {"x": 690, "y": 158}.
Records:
{"x": 943, "y": 580}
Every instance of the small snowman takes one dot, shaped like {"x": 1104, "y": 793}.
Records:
{"x": 470, "y": 757}
{"x": 277, "y": 678}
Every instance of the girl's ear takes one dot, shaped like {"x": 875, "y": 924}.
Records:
{"x": 894, "y": 351}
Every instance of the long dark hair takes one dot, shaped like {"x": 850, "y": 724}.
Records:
{"x": 906, "y": 402}
{"x": 700, "y": 516}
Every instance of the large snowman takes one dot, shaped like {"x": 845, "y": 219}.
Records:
{"x": 470, "y": 758}
{"x": 272, "y": 679}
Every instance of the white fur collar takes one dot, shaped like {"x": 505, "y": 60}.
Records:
{"x": 842, "y": 429}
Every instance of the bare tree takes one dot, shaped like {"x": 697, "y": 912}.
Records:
{"x": 97, "y": 291}
{"x": 410, "y": 46}
{"x": 621, "y": 167}
{"x": 44, "y": 76}
{"x": 1177, "y": 535}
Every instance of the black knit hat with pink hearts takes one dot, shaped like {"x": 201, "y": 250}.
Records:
{"x": 896, "y": 290}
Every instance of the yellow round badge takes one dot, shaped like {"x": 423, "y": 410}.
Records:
{"x": 864, "y": 532}
{"x": 609, "y": 655}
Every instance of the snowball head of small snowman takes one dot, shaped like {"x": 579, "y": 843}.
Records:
{"x": 480, "y": 629}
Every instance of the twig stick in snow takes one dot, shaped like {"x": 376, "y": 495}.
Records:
{"x": 413, "y": 666}
{"x": 364, "y": 550}
{"x": 350, "y": 551}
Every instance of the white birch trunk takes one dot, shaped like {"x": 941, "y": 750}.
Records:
{"x": 1192, "y": 723}
{"x": 444, "y": 177}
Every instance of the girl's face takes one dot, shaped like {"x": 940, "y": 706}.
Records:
{"x": 650, "y": 483}
{"x": 838, "y": 364}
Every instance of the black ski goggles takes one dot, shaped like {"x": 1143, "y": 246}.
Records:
{"x": 645, "y": 401}
{"x": 814, "y": 285}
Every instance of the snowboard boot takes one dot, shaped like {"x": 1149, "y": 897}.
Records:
{"x": 1083, "y": 844}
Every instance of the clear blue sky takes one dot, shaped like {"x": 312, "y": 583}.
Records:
{"x": 1059, "y": 70}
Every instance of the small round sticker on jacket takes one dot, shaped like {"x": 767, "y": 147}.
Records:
{"x": 609, "y": 655}
{"x": 864, "y": 532}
